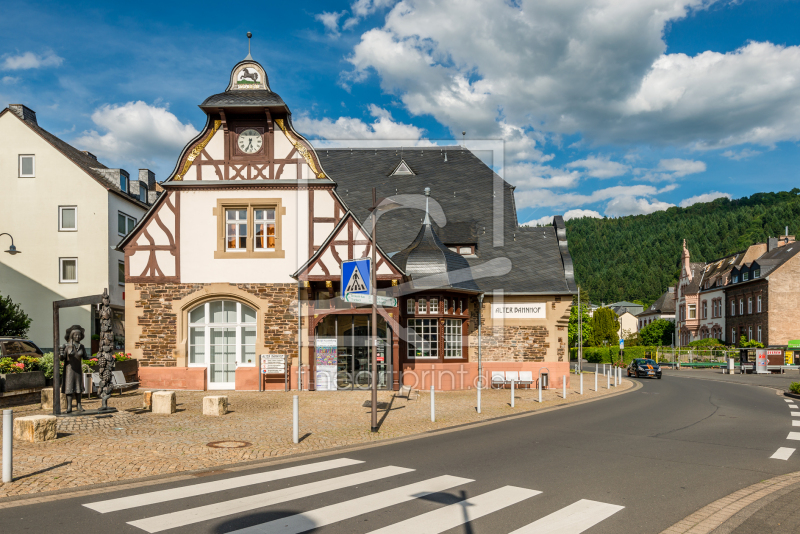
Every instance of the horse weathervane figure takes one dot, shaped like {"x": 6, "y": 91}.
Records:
{"x": 249, "y": 35}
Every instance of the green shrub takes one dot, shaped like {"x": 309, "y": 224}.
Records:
{"x": 794, "y": 387}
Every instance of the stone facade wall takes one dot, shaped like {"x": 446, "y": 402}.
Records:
{"x": 784, "y": 303}
{"x": 158, "y": 307}
{"x": 743, "y": 322}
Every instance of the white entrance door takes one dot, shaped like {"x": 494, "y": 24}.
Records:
{"x": 222, "y": 361}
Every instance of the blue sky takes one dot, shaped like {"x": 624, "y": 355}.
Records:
{"x": 606, "y": 107}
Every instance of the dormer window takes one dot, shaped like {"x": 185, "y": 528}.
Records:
{"x": 745, "y": 276}
{"x": 123, "y": 183}
{"x": 143, "y": 193}
{"x": 464, "y": 250}
{"x": 735, "y": 278}
{"x": 402, "y": 169}
{"x": 756, "y": 273}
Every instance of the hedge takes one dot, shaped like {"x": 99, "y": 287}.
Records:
{"x": 605, "y": 354}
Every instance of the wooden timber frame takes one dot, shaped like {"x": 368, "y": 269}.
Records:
{"x": 57, "y": 305}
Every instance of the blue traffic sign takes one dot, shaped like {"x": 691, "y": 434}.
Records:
{"x": 355, "y": 277}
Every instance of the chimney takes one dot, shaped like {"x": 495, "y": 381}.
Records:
{"x": 148, "y": 177}
{"x": 23, "y": 112}
{"x": 772, "y": 244}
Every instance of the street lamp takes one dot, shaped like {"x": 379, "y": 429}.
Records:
{"x": 12, "y": 249}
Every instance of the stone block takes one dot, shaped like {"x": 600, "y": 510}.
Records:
{"x": 215, "y": 405}
{"x": 147, "y": 400}
{"x": 47, "y": 399}
{"x": 35, "y": 428}
{"x": 164, "y": 402}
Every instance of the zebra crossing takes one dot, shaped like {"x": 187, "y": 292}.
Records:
{"x": 573, "y": 519}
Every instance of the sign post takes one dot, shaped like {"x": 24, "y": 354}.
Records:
{"x": 621, "y": 350}
{"x": 274, "y": 364}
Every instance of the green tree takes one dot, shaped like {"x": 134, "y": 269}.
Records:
{"x": 13, "y": 321}
{"x": 605, "y": 327}
{"x": 752, "y": 343}
{"x": 572, "y": 333}
{"x": 657, "y": 333}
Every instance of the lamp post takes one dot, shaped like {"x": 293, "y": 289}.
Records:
{"x": 480, "y": 363}
{"x": 12, "y": 249}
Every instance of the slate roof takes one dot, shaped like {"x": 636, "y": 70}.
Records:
{"x": 623, "y": 306}
{"x": 257, "y": 98}
{"x": 773, "y": 260}
{"x": 522, "y": 260}
{"x": 697, "y": 274}
{"x": 87, "y": 163}
{"x": 431, "y": 265}
{"x": 665, "y": 305}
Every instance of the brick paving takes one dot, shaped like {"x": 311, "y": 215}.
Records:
{"x": 135, "y": 443}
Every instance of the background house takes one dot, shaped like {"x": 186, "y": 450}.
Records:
{"x": 663, "y": 308}
{"x": 66, "y": 212}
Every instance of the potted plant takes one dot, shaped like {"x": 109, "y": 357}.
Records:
{"x": 23, "y": 373}
{"x": 128, "y": 366}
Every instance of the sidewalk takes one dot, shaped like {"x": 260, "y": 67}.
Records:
{"x": 134, "y": 443}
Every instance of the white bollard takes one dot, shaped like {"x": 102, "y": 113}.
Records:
{"x": 8, "y": 434}
{"x": 512, "y": 392}
{"x": 433, "y": 407}
{"x": 479, "y": 395}
{"x": 296, "y": 419}
{"x": 608, "y": 381}
{"x": 581, "y": 383}
{"x": 540, "y": 388}
{"x": 595, "y": 379}
{"x": 564, "y": 387}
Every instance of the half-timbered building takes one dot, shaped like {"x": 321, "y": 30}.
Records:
{"x": 242, "y": 256}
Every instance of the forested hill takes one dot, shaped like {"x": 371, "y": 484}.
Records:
{"x": 637, "y": 257}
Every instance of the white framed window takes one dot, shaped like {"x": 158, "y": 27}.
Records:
{"x": 264, "y": 227}
{"x": 121, "y": 272}
{"x": 735, "y": 278}
{"x": 123, "y": 183}
{"x": 423, "y": 339}
{"x": 756, "y": 273}
{"x": 410, "y": 306}
{"x": 222, "y": 334}
{"x": 692, "y": 311}
{"x": 759, "y": 334}
{"x": 434, "y": 305}
{"x": 741, "y": 306}
{"x": 745, "y": 276}
{"x": 733, "y": 308}
{"x": 27, "y": 166}
{"x": 749, "y": 333}
{"x": 460, "y": 306}
{"x": 67, "y": 218}
{"x": 68, "y": 270}
{"x": 705, "y": 309}
{"x": 452, "y": 338}
{"x": 758, "y": 304}
{"x": 422, "y": 306}
{"x": 125, "y": 224}
{"x": 445, "y": 307}
{"x": 236, "y": 233}
{"x": 143, "y": 193}
{"x": 733, "y": 335}
{"x": 749, "y": 304}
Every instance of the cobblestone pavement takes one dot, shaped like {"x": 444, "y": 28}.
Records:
{"x": 135, "y": 443}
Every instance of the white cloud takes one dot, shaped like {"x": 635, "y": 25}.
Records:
{"x": 629, "y": 205}
{"x": 330, "y": 20}
{"x": 739, "y": 155}
{"x": 681, "y": 167}
{"x": 383, "y": 131}
{"x": 600, "y": 167}
{"x": 706, "y": 197}
{"x": 571, "y": 214}
{"x": 136, "y": 132}
{"x": 10, "y": 80}
{"x": 597, "y": 67}
{"x": 29, "y": 60}
{"x": 534, "y": 176}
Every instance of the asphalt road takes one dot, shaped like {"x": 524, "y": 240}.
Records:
{"x": 661, "y": 452}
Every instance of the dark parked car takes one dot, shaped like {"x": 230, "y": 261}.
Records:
{"x": 12, "y": 347}
{"x": 643, "y": 367}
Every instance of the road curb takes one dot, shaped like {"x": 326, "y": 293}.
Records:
{"x": 81, "y": 491}
{"x": 724, "y": 515}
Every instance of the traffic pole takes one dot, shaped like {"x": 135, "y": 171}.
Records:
{"x": 296, "y": 419}
{"x": 512, "y": 392}
{"x": 595, "y": 379}
{"x": 433, "y": 406}
{"x": 8, "y": 424}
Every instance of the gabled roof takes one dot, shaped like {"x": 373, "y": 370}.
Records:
{"x": 474, "y": 200}
{"x": 84, "y": 161}
{"x": 665, "y": 305}
{"x": 773, "y": 260}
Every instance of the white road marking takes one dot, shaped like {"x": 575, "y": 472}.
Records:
{"x": 795, "y": 422}
{"x": 795, "y": 414}
{"x": 787, "y": 400}
{"x": 573, "y": 519}
{"x": 794, "y": 435}
{"x": 173, "y": 494}
{"x": 459, "y": 513}
{"x": 294, "y": 524}
{"x": 793, "y": 406}
{"x": 245, "y": 504}
{"x": 783, "y": 453}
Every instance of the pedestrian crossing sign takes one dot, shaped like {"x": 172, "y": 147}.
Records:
{"x": 355, "y": 277}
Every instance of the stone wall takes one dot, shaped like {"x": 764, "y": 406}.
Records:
{"x": 157, "y": 309}
{"x": 743, "y": 322}
{"x": 784, "y": 302}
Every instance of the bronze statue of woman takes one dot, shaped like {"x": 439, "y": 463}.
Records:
{"x": 72, "y": 354}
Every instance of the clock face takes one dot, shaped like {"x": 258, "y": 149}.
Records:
{"x": 250, "y": 141}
